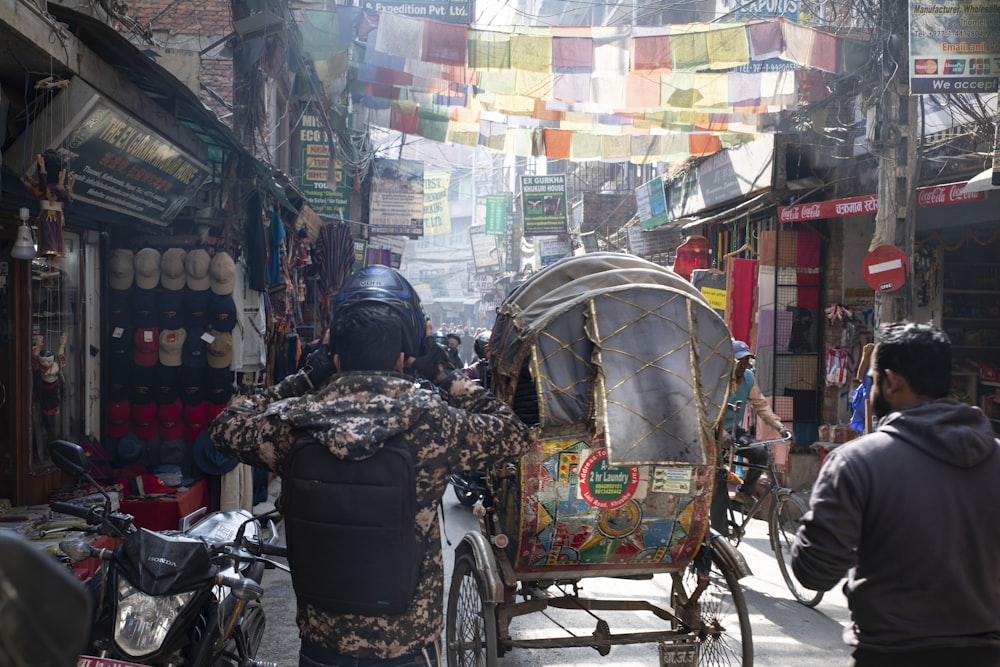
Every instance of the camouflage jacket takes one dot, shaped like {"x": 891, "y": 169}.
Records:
{"x": 462, "y": 427}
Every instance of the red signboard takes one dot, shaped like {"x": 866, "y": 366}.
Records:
{"x": 940, "y": 195}
{"x": 834, "y": 208}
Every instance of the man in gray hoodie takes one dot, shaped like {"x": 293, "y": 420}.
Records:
{"x": 904, "y": 512}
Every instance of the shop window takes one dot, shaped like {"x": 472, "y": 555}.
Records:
{"x": 56, "y": 378}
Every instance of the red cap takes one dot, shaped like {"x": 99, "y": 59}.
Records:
{"x": 195, "y": 420}
{"x": 119, "y": 413}
{"x": 214, "y": 410}
{"x": 171, "y": 431}
{"x": 146, "y": 431}
{"x": 170, "y": 413}
{"x": 147, "y": 346}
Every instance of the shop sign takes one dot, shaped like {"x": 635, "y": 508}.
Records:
{"x": 122, "y": 165}
{"x": 953, "y": 46}
{"x": 496, "y": 214}
{"x": 543, "y": 205}
{"x": 651, "y": 204}
{"x": 605, "y": 486}
{"x": 484, "y": 249}
{"x": 397, "y": 198}
{"x": 834, "y": 208}
{"x": 321, "y": 177}
{"x": 942, "y": 195}
{"x": 481, "y": 282}
{"x": 652, "y": 242}
{"x": 461, "y": 12}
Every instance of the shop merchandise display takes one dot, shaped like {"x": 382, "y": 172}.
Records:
{"x": 169, "y": 356}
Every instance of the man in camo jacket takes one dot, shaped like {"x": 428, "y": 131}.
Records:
{"x": 461, "y": 426}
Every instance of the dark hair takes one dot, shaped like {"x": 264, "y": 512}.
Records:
{"x": 367, "y": 336}
{"x": 921, "y": 353}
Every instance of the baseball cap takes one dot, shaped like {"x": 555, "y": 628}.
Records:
{"x": 121, "y": 269}
{"x": 119, "y": 414}
{"x": 220, "y": 350}
{"x": 165, "y": 384}
{"x": 218, "y": 385}
{"x": 144, "y": 423}
{"x": 130, "y": 449}
{"x": 195, "y": 307}
{"x": 190, "y": 382}
{"x": 146, "y": 351}
{"x": 120, "y": 306}
{"x": 142, "y": 384}
{"x": 209, "y": 459}
{"x": 196, "y": 265}
{"x": 195, "y": 347}
{"x": 222, "y": 273}
{"x": 213, "y": 410}
{"x": 144, "y": 307}
{"x": 741, "y": 350}
{"x": 169, "y": 306}
{"x": 195, "y": 420}
{"x": 169, "y": 416}
{"x": 222, "y": 312}
{"x": 147, "y": 268}
{"x": 171, "y": 344}
{"x": 172, "y": 275}
{"x": 172, "y": 450}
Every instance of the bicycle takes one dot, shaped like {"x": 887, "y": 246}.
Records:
{"x": 783, "y": 516}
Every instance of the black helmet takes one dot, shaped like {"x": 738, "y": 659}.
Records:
{"x": 480, "y": 343}
{"x": 381, "y": 284}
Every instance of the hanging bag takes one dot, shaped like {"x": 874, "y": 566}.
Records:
{"x": 837, "y": 371}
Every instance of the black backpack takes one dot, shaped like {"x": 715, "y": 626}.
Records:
{"x": 350, "y": 527}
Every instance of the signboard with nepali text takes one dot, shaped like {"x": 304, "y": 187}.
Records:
{"x": 122, "y": 165}
{"x": 496, "y": 214}
{"x": 954, "y": 46}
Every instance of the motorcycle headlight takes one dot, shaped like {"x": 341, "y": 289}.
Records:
{"x": 144, "y": 620}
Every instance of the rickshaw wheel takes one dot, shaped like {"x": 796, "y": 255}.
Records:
{"x": 471, "y": 631}
{"x": 718, "y": 619}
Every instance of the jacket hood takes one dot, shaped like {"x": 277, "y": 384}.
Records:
{"x": 356, "y": 413}
{"x": 945, "y": 429}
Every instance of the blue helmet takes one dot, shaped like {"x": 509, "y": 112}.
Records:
{"x": 381, "y": 284}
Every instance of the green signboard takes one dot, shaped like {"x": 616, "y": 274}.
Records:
{"x": 496, "y": 214}
{"x": 543, "y": 205}
{"x": 321, "y": 181}
{"x": 651, "y": 204}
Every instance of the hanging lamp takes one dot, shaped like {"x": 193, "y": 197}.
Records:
{"x": 24, "y": 246}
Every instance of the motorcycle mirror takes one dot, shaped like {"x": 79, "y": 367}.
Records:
{"x": 69, "y": 457}
{"x": 44, "y": 610}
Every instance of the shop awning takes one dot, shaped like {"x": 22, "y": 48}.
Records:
{"x": 981, "y": 182}
{"x": 756, "y": 203}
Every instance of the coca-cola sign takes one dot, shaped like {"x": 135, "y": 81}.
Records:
{"x": 942, "y": 195}
{"x": 835, "y": 208}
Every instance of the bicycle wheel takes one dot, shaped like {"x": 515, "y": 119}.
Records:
{"x": 718, "y": 620}
{"x": 783, "y": 523}
{"x": 471, "y": 627}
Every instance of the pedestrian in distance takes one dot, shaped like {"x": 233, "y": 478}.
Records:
{"x": 903, "y": 512}
{"x": 357, "y": 396}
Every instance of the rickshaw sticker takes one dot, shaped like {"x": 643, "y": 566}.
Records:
{"x": 672, "y": 479}
{"x": 607, "y": 487}
{"x": 618, "y": 523}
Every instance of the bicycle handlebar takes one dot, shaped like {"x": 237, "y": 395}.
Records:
{"x": 761, "y": 443}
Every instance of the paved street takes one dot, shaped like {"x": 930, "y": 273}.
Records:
{"x": 786, "y": 634}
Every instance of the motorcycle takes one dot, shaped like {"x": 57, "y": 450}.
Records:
{"x": 189, "y": 597}
{"x": 470, "y": 487}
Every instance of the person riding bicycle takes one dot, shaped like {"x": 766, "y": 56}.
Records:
{"x": 743, "y": 389}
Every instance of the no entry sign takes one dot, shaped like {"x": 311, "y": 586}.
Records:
{"x": 885, "y": 268}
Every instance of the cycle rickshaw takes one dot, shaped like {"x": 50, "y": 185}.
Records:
{"x": 623, "y": 369}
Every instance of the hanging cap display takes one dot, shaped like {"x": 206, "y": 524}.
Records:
{"x": 147, "y": 268}
{"x": 171, "y": 344}
{"x": 196, "y": 265}
{"x": 222, "y": 273}
{"x": 172, "y": 275}
{"x": 121, "y": 269}
{"x": 381, "y": 284}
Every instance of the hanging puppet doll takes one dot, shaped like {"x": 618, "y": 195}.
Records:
{"x": 48, "y": 389}
{"x": 54, "y": 192}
